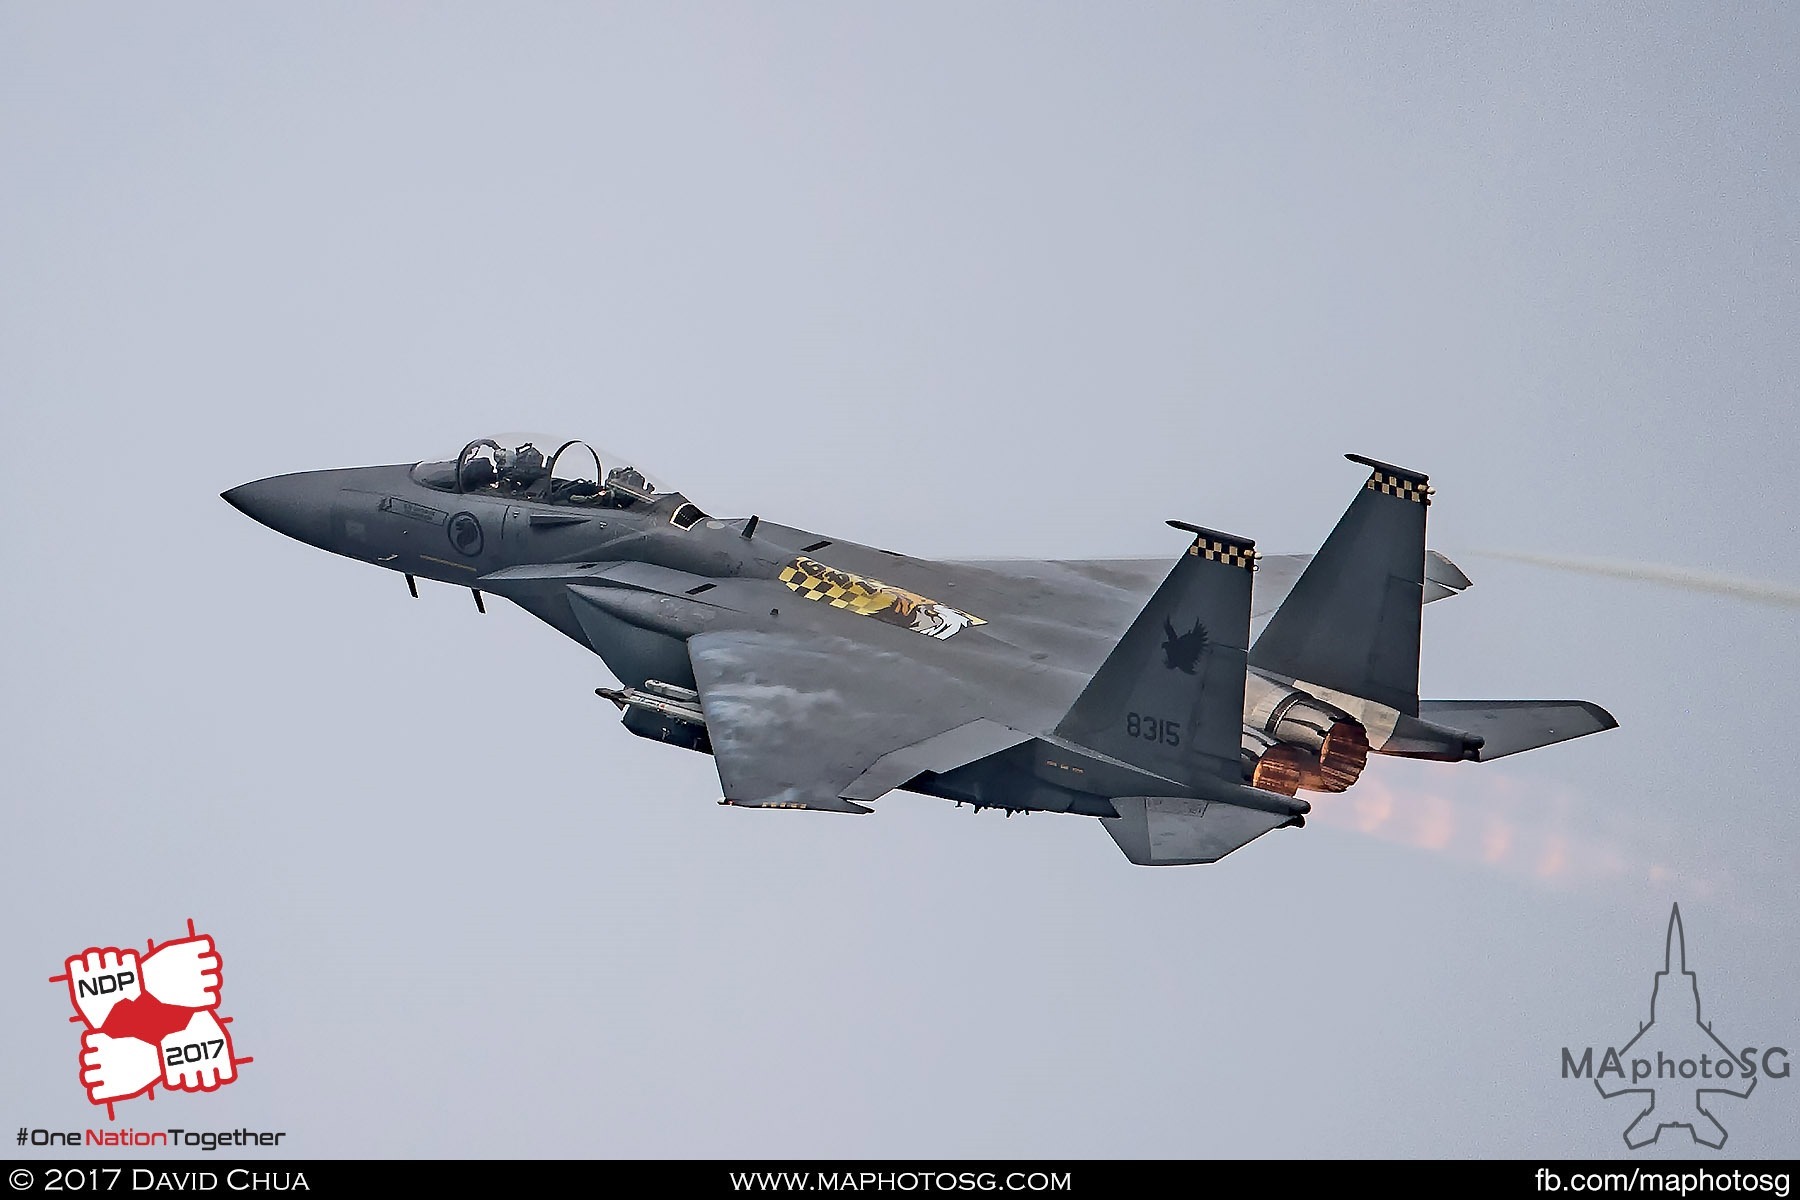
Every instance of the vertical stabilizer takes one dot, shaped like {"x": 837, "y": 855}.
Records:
{"x": 1170, "y": 697}
{"x": 1351, "y": 623}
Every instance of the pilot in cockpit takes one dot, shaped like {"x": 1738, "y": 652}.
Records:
{"x": 570, "y": 474}
{"x": 478, "y": 472}
{"x": 521, "y": 468}
{"x": 630, "y": 481}
{"x": 574, "y": 491}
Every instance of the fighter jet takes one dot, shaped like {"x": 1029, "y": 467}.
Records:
{"x": 822, "y": 673}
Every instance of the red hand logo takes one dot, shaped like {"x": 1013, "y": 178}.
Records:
{"x": 150, "y": 1020}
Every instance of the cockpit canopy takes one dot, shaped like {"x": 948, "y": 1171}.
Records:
{"x": 548, "y": 470}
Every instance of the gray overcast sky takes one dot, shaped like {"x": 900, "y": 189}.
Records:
{"x": 962, "y": 280}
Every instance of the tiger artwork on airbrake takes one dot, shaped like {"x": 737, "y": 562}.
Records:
{"x": 872, "y": 598}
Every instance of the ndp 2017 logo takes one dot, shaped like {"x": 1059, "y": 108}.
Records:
{"x": 150, "y": 1018}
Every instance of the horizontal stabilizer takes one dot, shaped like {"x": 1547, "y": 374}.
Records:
{"x": 1443, "y": 578}
{"x": 1509, "y": 726}
{"x": 1161, "y": 831}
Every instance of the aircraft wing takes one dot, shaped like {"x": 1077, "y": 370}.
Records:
{"x": 799, "y": 720}
{"x": 1276, "y": 575}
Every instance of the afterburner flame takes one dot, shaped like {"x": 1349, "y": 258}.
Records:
{"x": 1286, "y": 768}
{"x": 1527, "y": 830}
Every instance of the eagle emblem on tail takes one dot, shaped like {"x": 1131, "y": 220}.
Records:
{"x": 1181, "y": 651}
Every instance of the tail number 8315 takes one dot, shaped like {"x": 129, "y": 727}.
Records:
{"x": 1152, "y": 729}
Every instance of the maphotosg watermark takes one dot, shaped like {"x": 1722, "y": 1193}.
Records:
{"x": 1671, "y": 1183}
{"x": 901, "y": 1181}
{"x": 1675, "y": 1064}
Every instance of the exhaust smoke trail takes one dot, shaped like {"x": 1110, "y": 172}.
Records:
{"x": 1758, "y": 591}
{"x": 1540, "y": 834}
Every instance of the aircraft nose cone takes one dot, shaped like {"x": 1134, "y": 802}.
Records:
{"x": 297, "y": 505}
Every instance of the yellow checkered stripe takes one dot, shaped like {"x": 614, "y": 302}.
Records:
{"x": 813, "y": 580}
{"x": 816, "y": 581}
{"x": 1232, "y": 554}
{"x": 1394, "y": 485}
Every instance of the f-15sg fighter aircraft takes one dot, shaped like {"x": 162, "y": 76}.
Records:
{"x": 822, "y": 673}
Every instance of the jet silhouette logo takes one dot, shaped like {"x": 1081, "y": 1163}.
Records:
{"x": 150, "y": 1019}
{"x": 1676, "y": 1053}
